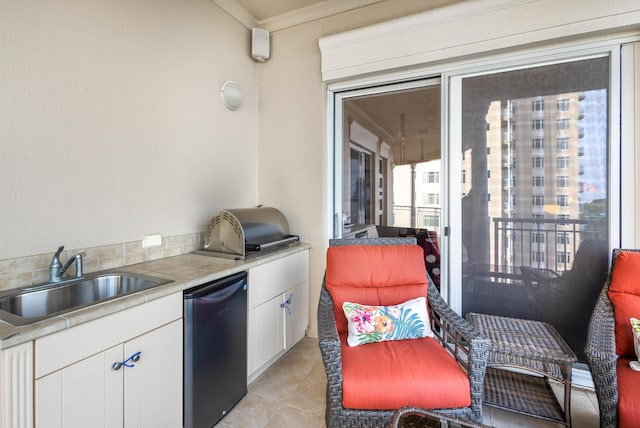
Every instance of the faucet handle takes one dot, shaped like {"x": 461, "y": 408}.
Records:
{"x": 55, "y": 261}
{"x": 55, "y": 268}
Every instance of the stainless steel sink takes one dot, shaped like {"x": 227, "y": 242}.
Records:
{"x": 28, "y": 305}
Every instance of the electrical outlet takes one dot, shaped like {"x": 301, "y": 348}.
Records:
{"x": 151, "y": 240}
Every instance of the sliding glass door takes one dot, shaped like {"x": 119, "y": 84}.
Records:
{"x": 535, "y": 204}
{"x": 508, "y": 173}
{"x": 390, "y": 145}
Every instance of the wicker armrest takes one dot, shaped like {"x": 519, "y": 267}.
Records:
{"x": 327, "y": 330}
{"x": 466, "y": 344}
{"x": 600, "y": 351}
{"x": 601, "y": 336}
{"x": 329, "y": 342}
{"x": 456, "y": 327}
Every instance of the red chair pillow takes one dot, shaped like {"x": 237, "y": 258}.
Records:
{"x": 379, "y": 275}
{"x": 624, "y": 293}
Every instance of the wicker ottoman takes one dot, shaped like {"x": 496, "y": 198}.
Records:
{"x": 529, "y": 345}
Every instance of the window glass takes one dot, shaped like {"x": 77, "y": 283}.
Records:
{"x": 392, "y": 178}
{"x": 537, "y": 249}
{"x": 563, "y": 104}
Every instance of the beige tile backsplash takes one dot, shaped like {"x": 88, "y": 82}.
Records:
{"x": 24, "y": 271}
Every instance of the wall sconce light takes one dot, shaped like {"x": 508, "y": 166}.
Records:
{"x": 231, "y": 95}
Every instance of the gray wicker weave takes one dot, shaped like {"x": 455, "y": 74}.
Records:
{"x": 463, "y": 341}
{"x": 600, "y": 350}
{"x": 532, "y": 346}
{"x": 414, "y": 417}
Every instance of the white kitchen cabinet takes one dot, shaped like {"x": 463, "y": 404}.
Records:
{"x": 297, "y": 320}
{"x": 278, "y": 309}
{"x": 87, "y": 393}
{"x": 78, "y": 385}
{"x": 153, "y": 388}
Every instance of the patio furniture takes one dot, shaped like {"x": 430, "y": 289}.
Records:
{"x": 447, "y": 369}
{"x": 531, "y": 346}
{"x": 565, "y": 299}
{"x": 412, "y": 417}
{"x": 612, "y": 377}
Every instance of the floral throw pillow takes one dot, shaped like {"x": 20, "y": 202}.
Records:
{"x": 369, "y": 324}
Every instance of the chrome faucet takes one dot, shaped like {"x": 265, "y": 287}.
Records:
{"x": 56, "y": 269}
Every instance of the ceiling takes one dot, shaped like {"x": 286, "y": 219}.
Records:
{"x": 408, "y": 120}
{"x": 274, "y": 15}
{"x": 265, "y": 9}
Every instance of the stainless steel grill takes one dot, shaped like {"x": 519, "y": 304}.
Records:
{"x": 247, "y": 232}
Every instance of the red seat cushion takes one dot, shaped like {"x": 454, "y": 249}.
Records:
{"x": 379, "y": 275}
{"x": 390, "y": 375}
{"x": 628, "y": 397}
{"x": 624, "y": 293}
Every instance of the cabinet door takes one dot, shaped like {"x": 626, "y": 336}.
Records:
{"x": 266, "y": 333}
{"x": 296, "y": 319}
{"x": 153, "y": 388}
{"x": 85, "y": 394}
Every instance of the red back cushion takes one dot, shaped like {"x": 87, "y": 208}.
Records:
{"x": 380, "y": 275}
{"x": 624, "y": 293}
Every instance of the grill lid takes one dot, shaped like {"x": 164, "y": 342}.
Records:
{"x": 234, "y": 232}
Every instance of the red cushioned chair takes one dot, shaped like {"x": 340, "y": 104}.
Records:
{"x": 368, "y": 383}
{"x": 609, "y": 347}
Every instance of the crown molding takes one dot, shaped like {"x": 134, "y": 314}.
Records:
{"x": 237, "y": 12}
{"x": 311, "y": 13}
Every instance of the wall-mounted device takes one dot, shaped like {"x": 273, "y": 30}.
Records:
{"x": 259, "y": 44}
{"x": 231, "y": 95}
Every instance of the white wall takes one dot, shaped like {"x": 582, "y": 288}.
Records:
{"x": 111, "y": 124}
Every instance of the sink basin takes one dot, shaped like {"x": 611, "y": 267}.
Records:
{"x": 28, "y": 305}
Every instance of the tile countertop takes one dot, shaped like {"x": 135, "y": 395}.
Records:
{"x": 187, "y": 271}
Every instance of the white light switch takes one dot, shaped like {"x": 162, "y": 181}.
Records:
{"x": 151, "y": 241}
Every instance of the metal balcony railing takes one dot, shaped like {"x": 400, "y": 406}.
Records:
{"x": 424, "y": 217}
{"x": 540, "y": 243}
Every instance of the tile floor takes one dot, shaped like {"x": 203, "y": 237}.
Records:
{"x": 291, "y": 394}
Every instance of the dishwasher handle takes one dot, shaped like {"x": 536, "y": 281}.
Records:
{"x": 216, "y": 286}
{"x": 222, "y": 294}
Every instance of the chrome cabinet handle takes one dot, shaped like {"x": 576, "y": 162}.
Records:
{"x": 135, "y": 358}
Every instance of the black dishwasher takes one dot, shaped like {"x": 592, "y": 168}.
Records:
{"x": 215, "y": 349}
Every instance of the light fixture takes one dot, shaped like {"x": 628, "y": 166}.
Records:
{"x": 231, "y": 95}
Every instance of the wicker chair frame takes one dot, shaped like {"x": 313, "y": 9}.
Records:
{"x": 463, "y": 341}
{"x": 600, "y": 350}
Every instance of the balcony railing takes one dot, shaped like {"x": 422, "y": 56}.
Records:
{"x": 424, "y": 217}
{"x": 540, "y": 243}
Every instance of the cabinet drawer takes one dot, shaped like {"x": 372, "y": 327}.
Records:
{"x": 274, "y": 278}
{"x": 61, "y": 349}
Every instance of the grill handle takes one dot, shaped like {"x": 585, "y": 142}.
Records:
{"x": 257, "y": 247}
